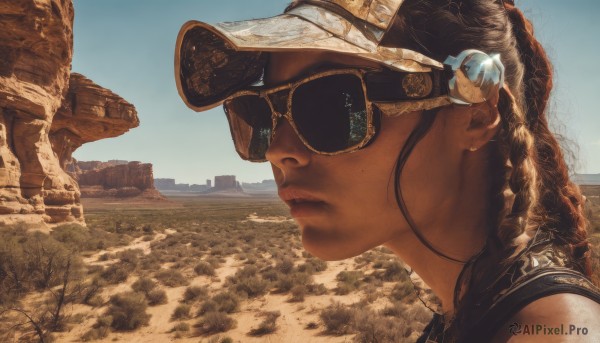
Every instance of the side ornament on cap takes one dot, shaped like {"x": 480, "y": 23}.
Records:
{"x": 477, "y": 76}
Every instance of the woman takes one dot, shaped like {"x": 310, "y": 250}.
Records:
{"x": 420, "y": 126}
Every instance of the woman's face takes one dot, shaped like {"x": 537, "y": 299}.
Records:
{"x": 356, "y": 208}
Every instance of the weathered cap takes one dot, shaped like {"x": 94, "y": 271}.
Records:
{"x": 214, "y": 61}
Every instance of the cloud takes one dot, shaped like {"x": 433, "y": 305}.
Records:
{"x": 596, "y": 143}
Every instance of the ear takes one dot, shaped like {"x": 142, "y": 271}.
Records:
{"x": 484, "y": 123}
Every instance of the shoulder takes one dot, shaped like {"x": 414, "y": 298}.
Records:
{"x": 564, "y": 317}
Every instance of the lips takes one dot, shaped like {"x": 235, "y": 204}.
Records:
{"x": 301, "y": 203}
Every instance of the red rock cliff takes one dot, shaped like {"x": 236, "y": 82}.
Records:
{"x": 36, "y": 47}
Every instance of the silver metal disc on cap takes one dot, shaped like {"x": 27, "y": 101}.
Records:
{"x": 477, "y": 76}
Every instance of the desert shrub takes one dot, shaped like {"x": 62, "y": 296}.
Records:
{"x": 106, "y": 256}
{"x": 298, "y": 293}
{"x": 215, "y": 322}
{"x": 116, "y": 273}
{"x": 157, "y": 297}
{"x": 337, "y": 319}
{"x": 317, "y": 265}
{"x": 371, "y": 293}
{"x": 194, "y": 293}
{"x": 219, "y": 339}
{"x": 394, "y": 271}
{"x": 287, "y": 281}
{"x": 171, "y": 278}
{"x": 285, "y": 266}
{"x": 206, "y": 307}
{"x": 204, "y": 268}
{"x": 130, "y": 256}
{"x": 215, "y": 262}
{"x": 181, "y": 312}
{"x": 371, "y": 327}
{"x": 150, "y": 262}
{"x": 418, "y": 313}
{"x": 396, "y": 309}
{"x": 181, "y": 327}
{"x": 348, "y": 281}
{"x": 268, "y": 325}
{"x": 99, "y": 330}
{"x": 144, "y": 285}
{"x": 226, "y": 302}
{"x": 250, "y": 286}
{"x": 316, "y": 289}
{"x": 270, "y": 274}
{"x": 403, "y": 291}
{"x": 311, "y": 326}
{"x": 90, "y": 291}
{"x": 128, "y": 311}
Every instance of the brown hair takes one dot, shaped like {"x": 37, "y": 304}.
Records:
{"x": 531, "y": 187}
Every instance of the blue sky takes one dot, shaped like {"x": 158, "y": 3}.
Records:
{"x": 127, "y": 46}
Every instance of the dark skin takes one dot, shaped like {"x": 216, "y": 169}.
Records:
{"x": 360, "y": 212}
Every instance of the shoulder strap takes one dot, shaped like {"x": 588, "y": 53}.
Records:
{"x": 542, "y": 284}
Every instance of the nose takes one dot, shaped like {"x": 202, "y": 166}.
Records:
{"x": 286, "y": 149}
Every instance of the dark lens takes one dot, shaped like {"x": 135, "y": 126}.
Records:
{"x": 330, "y": 112}
{"x": 251, "y": 125}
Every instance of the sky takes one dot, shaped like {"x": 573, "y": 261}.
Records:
{"x": 128, "y": 47}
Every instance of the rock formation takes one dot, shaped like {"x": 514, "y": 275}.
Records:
{"x": 88, "y": 113}
{"x": 116, "y": 179}
{"x": 36, "y": 47}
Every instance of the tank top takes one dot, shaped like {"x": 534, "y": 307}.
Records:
{"x": 542, "y": 268}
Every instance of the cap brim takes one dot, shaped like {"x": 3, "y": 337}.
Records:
{"x": 214, "y": 61}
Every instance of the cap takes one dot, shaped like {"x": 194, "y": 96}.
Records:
{"x": 214, "y": 61}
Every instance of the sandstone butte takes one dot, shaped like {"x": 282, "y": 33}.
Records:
{"x": 46, "y": 113}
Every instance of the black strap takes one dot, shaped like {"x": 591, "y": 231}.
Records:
{"x": 542, "y": 284}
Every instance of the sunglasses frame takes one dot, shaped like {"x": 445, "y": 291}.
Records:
{"x": 388, "y": 108}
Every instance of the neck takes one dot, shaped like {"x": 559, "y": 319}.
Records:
{"x": 458, "y": 231}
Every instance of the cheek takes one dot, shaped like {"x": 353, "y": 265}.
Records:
{"x": 364, "y": 213}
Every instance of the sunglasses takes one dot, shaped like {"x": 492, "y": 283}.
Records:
{"x": 332, "y": 112}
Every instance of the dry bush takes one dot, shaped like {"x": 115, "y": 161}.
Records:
{"x": 394, "y": 271}
{"x": 206, "y": 307}
{"x": 298, "y": 293}
{"x": 403, "y": 291}
{"x": 204, "y": 268}
{"x": 144, "y": 285}
{"x": 116, "y": 273}
{"x": 348, "y": 281}
{"x": 128, "y": 311}
{"x": 226, "y": 302}
{"x": 130, "y": 257}
{"x": 337, "y": 319}
{"x": 286, "y": 282}
{"x": 268, "y": 325}
{"x": 171, "y": 278}
{"x": 157, "y": 297}
{"x": 316, "y": 289}
{"x": 194, "y": 293}
{"x": 215, "y": 322}
{"x": 248, "y": 283}
{"x": 181, "y": 327}
{"x": 395, "y": 309}
{"x": 99, "y": 330}
{"x": 285, "y": 266}
{"x": 90, "y": 294}
{"x": 371, "y": 327}
{"x": 181, "y": 312}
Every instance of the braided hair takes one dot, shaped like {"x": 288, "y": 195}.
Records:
{"x": 531, "y": 188}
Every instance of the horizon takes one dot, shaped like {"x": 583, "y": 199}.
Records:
{"x": 128, "y": 48}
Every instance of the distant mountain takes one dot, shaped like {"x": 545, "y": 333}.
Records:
{"x": 586, "y": 179}
{"x": 266, "y": 186}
